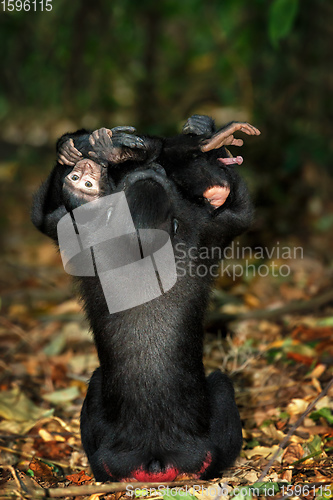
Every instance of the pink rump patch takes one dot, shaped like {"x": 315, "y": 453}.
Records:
{"x": 169, "y": 474}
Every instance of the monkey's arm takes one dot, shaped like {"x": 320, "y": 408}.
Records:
{"x": 47, "y": 207}
{"x": 191, "y": 141}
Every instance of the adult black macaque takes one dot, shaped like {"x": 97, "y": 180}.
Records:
{"x": 150, "y": 413}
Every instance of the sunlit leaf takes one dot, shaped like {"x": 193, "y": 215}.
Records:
{"x": 326, "y": 321}
{"x": 141, "y": 493}
{"x": 315, "y": 445}
{"x": 14, "y": 405}
{"x": 62, "y": 395}
{"x": 325, "y": 413}
{"x": 56, "y": 346}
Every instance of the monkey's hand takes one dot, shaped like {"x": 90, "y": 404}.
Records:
{"x": 116, "y": 145}
{"x": 68, "y": 154}
{"x": 199, "y": 125}
{"x": 225, "y": 137}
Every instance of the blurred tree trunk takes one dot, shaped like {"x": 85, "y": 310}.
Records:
{"x": 88, "y": 19}
{"x": 147, "y": 104}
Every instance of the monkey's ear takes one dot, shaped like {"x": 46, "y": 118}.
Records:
{"x": 225, "y": 137}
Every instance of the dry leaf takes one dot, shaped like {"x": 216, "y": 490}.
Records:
{"x": 41, "y": 470}
{"x": 79, "y": 478}
{"x": 297, "y": 406}
{"x": 292, "y": 453}
{"x": 263, "y": 451}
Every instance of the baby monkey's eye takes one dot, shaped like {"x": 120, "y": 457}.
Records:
{"x": 75, "y": 177}
{"x": 88, "y": 184}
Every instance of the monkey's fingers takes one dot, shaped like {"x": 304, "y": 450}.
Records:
{"x": 249, "y": 129}
{"x": 130, "y": 141}
{"x": 106, "y": 132}
{"x": 102, "y": 162}
{"x": 198, "y": 125}
{"x": 232, "y": 141}
{"x": 72, "y": 151}
{"x": 64, "y": 161}
{"x": 125, "y": 129}
{"x": 93, "y": 154}
{"x": 68, "y": 146}
{"x": 105, "y": 141}
{"x": 94, "y": 137}
{"x": 68, "y": 153}
{"x": 237, "y": 142}
{"x": 225, "y": 136}
{"x": 115, "y": 155}
{"x": 242, "y": 126}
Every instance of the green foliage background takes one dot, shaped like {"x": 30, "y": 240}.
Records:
{"x": 152, "y": 64}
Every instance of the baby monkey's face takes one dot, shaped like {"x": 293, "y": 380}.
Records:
{"x": 85, "y": 180}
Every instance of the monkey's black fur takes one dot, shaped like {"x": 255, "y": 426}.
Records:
{"x": 150, "y": 412}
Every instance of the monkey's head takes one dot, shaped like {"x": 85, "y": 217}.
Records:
{"x": 86, "y": 182}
